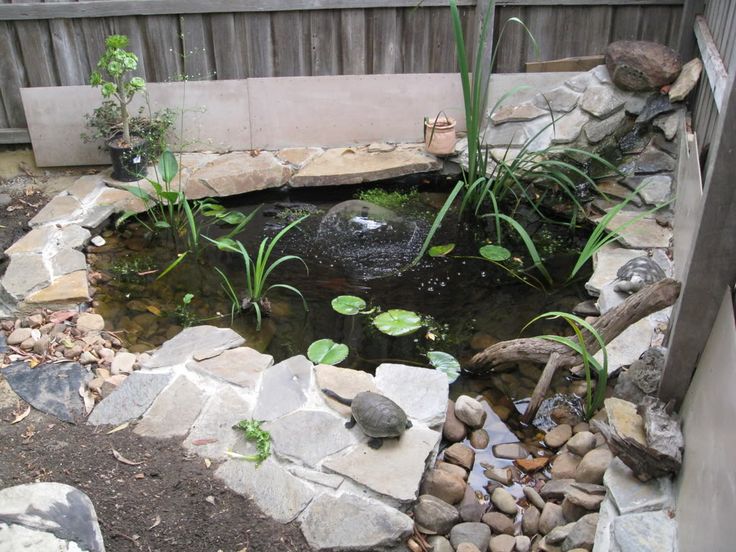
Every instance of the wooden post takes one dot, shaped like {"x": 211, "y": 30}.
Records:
{"x": 686, "y": 42}
{"x": 711, "y": 264}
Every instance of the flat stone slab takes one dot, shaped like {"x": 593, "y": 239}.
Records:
{"x": 514, "y": 113}
{"x": 642, "y": 234}
{"x": 340, "y": 166}
{"x": 174, "y": 410}
{"x": 48, "y": 516}
{"x": 241, "y": 172}
{"x": 330, "y": 480}
{"x": 50, "y": 388}
{"x": 212, "y": 434}
{"x": 609, "y": 258}
{"x": 68, "y": 289}
{"x": 308, "y": 436}
{"x": 630, "y": 495}
{"x": 25, "y": 273}
{"x": 596, "y": 130}
{"x": 656, "y": 189}
{"x": 602, "y": 101}
{"x": 394, "y": 470}
{"x": 34, "y": 241}
{"x": 650, "y": 531}
{"x": 129, "y": 401}
{"x": 628, "y": 345}
{"x": 241, "y": 366}
{"x": 283, "y": 388}
{"x": 61, "y": 208}
{"x": 351, "y": 523}
{"x": 421, "y": 392}
{"x": 569, "y": 126}
{"x": 67, "y": 261}
{"x": 345, "y": 382}
{"x": 561, "y": 99}
{"x": 277, "y": 493}
{"x": 188, "y": 342}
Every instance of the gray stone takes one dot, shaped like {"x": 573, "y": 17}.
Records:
{"x": 560, "y": 99}
{"x": 656, "y": 189}
{"x": 593, "y": 466}
{"x": 643, "y": 233}
{"x": 650, "y": 531}
{"x": 470, "y": 508}
{"x": 34, "y": 241}
{"x": 72, "y": 236}
{"x": 129, "y": 401}
{"x": 504, "y": 501}
{"x": 25, "y": 274}
{"x": 606, "y": 515}
{"x": 582, "y": 534}
{"x": 625, "y": 420}
{"x": 189, "y": 341}
{"x": 606, "y": 262}
{"x": 502, "y": 475}
{"x": 353, "y": 523}
{"x": 502, "y": 543}
{"x": 345, "y": 382}
{"x": 444, "y": 484}
{"x": 523, "y": 543}
{"x": 86, "y": 187}
{"x": 686, "y": 80}
{"x": 174, "y": 410}
{"x": 514, "y": 113}
{"x": 123, "y": 363}
{"x": 551, "y": 517}
{"x": 94, "y": 215}
{"x": 602, "y": 101}
{"x": 320, "y": 478}
{"x": 240, "y": 172}
{"x": 581, "y": 443}
{"x": 50, "y": 388}
{"x": 559, "y": 534}
{"x": 653, "y": 160}
{"x": 656, "y": 105}
{"x": 439, "y": 544}
{"x": 19, "y": 335}
{"x": 241, "y": 366}
{"x": 470, "y": 411}
{"x": 635, "y": 104}
{"x": 479, "y": 439}
{"x": 277, "y": 493}
{"x": 558, "y": 436}
{"x": 627, "y": 347}
{"x": 434, "y": 515}
{"x": 510, "y": 451}
{"x": 308, "y": 436}
{"x": 509, "y": 134}
{"x": 610, "y": 297}
{"x": 394, "y": 470}
{"x": 478, "y": 534}
{"x": 540, "y": 132}
{"x": 596, "y": 130}
{"x": 499, "y": 523}
{"x": 212, "y": 434}
{"x": 564, "y": 465}
{"x": 555, "y": 489}
{"x": 48, "y": 516}
{"x": 530, "y": 521}
{"x": 90, "y": 322}
{"x": 600, "y": 72}
{"x": 61, "y": 208}
{"x": 630, "y": 495}
{"x": 283, "y": 388}
{"x": 663, "y": 431}
{"x": 534, "y": 497}
{"x": 582, "y": 497}
{"x": 669, "y": 124}
{"x": 421, "y": 392}
{"x": 580, "y": 82}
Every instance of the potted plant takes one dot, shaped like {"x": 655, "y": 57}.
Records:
{"x": 128, "y": 150}
{"x": 439, "y": 135}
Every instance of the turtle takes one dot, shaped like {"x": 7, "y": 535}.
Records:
{"x": 379, "y": 417}
{"x": 638, "y": 273}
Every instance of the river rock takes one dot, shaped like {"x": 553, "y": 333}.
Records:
{"x": 467, "y": 547}
{"x": 453, "y": 469}
{"x": 593, "y": 465}
{"x": 638, "y": 65}
{"x": 445, "y": 485}
{"x": 470, "y": 509}
{"x": 18, "y": 336}
{"x": 530, "y": 521}
{"x": 558, "y": 436}
{"x": 686, "y": 80}
{"x": 435, "y": 516}
{"x": 504, "y": 501}
{"x": 571, "y": 511}
{"x": 565, "y": 466}
{"x": 555, "y": 489}
{"x": 523, "y": 543}
{"x": 581, "y": 443}
{"x": 502, "y": 475}
{"x": 499, "y": 523}
{"x": 559, "y": 534}
{"x": 534, "y": 497}
{"x": 453, "y": 430}
{"x": 586, "y": 496}
{"x": 460, "y": 455}
{"x": 502, "y": 543}
{"x": 551, "y": 517}
{"x": 478, "y": 534}
{"x": 582, "y": 534}
{"x": 438, "y": 543}
{"x": 470, "y": 412}
{"x": 479, "y": 439}
{"x": 89, "y": 322}
{"x": 510, "y": 451}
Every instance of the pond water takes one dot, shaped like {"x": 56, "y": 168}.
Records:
{"x": 350, "y": 248}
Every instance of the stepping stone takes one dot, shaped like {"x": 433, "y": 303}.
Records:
{"x": 240, "y": 172}
{"x": 69, "y": 289}
{"x": 394, "y": 470}
{"x": 313, "y": 476}
{"x": 509, "y": 134}
{"x": 656, "y": 105}
{"x": 345, "y": 382}
{"x": 283, "y": 388}
{"x": 656, "y": 189}
{"x": 298, "y": 157}
{"x": 652, "y": 161}
{"x": 309, "y": 436}
{"x": 50, "y": 388}
{"x": 129, "y": 401}
{"x": 340, "y": 166}
{"x": 242, "y": 366}
{"x": 207, "y": 340}
{"x": 609, "y": 258}
{"x": 580, "y": 82}
{"x": 421, "y": 392}
{"x": 650, "y": 531}
{"x": 174, "y": 410}
{"x": 602, "y": 101}
{"x": 630, "y": 495}
{"x": 351, "y": 523}
{"x": 67, "y": 261}
{"x": 645, "y": 233}
{"x": 48, "y": 516}
{"x": 25, "y": 274}
{"x": 61, "y": 208}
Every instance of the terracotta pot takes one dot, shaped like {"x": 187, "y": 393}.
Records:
{"x": 439, "y": 135}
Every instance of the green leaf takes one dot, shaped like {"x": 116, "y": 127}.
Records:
{"x": 398, "y": 322}
{"x": 445, "y": 363}
{"x": 348, "y": 305}
{"x": 326, "y": 351}
{"x": 495, "y": 253}
{"x": 441, "y": 250}
{"x": 187, "y": 298}
{"x": 168, "y": 166}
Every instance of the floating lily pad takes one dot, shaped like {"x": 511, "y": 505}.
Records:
{"x": 348, "y": 305}
{"x": 445, "y": 363}
{"x": 441, "y": 250}
{"x": 396, "y": 322}
{"x": 495, "y": 253}
{"x": 326, "y": 351}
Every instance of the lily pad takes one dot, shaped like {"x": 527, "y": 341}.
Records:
{"x": 326, "y": 351}
{"x": 441, "y": 250}
{"x": 348, "y": 305}
{"x": 445, "y": 363}
{"x": 396, "y": 322}
{"x": 495, "y": 253}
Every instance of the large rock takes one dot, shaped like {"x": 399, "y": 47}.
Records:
{"x": 421, "y": 392}
{"x": 630, "y": 495}
{"x": 551, "y": 517}
{"x": 593, "y": 466}
{"x": 174, "y": 410}
{"x": 241, "y": 172}
{"x": 625, "y": 420}
{"x": 345, "y": 382}
{"x": 445, "y": 485}
{"x": 352, "y": 523}
{"x": 650, "y": 531}
{"x": 241, "y": 366}
{"x": 48, "y": 516}
{"x": 207, "y": 340}
{"x": 283, "y": 388}
{"x": 434, "y": 515}
{"x": 638, "y": 65}
{"x": 68, "y": 289}
{"x": 130, "y": 400}
{"x": 582, "y": 534}
{"x": 477, "y": 533}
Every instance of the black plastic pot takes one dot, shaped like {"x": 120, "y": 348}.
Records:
{"x": 128, "y": 163}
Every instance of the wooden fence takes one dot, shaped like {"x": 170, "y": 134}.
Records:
{"x": 57, "y": 42}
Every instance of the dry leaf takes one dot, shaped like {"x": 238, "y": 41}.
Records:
{"x": 200, "y": 442}
{"x": 61, "y": 316}
{"x": 87, "y": 397}
{"x": 154, "y": 310}
{"x": 207, "y": 463}
{"x": 119, "y": 428}
{"x": 122, "y": 459}
{"x": 22, "y": 416}
{"x": 139, "y": 476}
{"x": 156, "y": 522}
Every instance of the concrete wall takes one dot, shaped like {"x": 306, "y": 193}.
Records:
{"x": 706, "y": 503}
{"x": 271, "y": 113}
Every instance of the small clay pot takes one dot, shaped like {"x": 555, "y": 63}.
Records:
{"x": 440, "y": 136}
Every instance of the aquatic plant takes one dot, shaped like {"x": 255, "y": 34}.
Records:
{"x": 349, "y": 305}
{"x": 398, "y": 322}
{"x": 445, "y": 363}
{"x": 184, "y": 314}
{"x": 326, "y": 351}
{"x": 257, "y": 273}
{"x": 132, "y": 269}
{"x": 394, "y": 199}
{"x": 593, "y": 399}
{"x": 254, "y": 433}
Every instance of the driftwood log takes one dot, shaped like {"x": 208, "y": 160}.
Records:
{"x": 554, "y": 355}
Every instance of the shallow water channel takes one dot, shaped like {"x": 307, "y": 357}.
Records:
{"x": 350, "y": 249}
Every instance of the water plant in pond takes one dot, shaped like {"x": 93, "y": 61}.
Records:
{"x": 326, "y": 351}
{"x": 132, "y": 269}
{"x": 398, "y": 322}
{"x": 349, "y": 305}
{"x": 593, "y": 399}
{"x": 255, "y": 434}
{"x": 445, "y": 363}
{"x": 389, "y": 199}
{"x": 184, "y": 314}
{"x": 257, "y": 271}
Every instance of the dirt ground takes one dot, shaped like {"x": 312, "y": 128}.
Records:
{"x": 169, "y": 501}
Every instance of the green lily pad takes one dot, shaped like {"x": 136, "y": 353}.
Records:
{"x": 326, "y": 351}
{"x": 441, "y": 250}
{"x": 398, "y": 322}
{"x": 445, "y": 363}
{"x": 495, "y": 253}
{"x": 348, "y": 305}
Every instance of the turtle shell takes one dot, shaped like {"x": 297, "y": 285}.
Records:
{"x": 378, "y": 416}
{"x": 642, "y": 269}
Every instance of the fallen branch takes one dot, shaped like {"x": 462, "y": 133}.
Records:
{"x": 554, "y": 355}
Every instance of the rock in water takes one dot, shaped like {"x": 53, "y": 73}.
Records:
{"x": 638, "y": 65}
